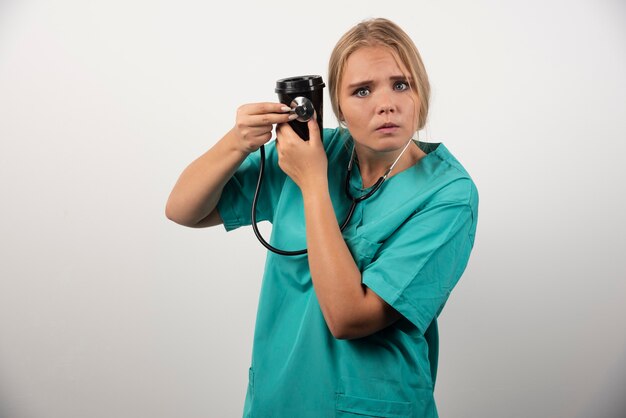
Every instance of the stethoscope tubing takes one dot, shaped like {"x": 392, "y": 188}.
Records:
{"x": 345, "y": 223}
{"x": 355, "y": 200}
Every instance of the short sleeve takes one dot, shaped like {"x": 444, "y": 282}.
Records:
{"x": 235, "y": 204}
{"x": 416, "y": 268}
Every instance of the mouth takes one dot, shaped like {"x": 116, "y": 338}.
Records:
{"x": 387, "y": 127}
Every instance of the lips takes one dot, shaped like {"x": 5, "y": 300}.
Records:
{"x": 387, "y": 125}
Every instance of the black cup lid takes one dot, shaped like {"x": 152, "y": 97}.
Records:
{"x": 299, "y": 84}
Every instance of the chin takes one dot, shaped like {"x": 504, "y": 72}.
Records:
{"x": 379, "y": 142}
{"x": 392, "y": 141}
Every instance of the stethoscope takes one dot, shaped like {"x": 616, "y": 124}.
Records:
{"x": 354, "y": 200}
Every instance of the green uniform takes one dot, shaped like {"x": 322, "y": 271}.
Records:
{"x": 411, "y": 241}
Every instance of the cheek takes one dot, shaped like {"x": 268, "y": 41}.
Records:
{"x": 414, "y": 106}
{"x": 347, "y": 113}
{"x": 357, "y": 114}
{"x": 356, "y": 121}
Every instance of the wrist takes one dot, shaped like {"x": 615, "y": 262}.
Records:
{"x": 315, "y": 188}
{"x": 235, "y": 144}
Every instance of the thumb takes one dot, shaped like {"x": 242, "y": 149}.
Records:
{"x": 314, "y": 130}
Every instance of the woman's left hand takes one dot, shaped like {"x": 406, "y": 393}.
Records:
{"x": 304, "y": 161}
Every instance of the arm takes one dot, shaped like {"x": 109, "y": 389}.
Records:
{"x": 350, "y": 309}
{"x": 194, "y": 198}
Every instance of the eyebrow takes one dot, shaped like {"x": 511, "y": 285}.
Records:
{"x": 366, "y": 82}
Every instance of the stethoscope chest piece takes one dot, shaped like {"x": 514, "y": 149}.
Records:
{"x": 302, "y": 107}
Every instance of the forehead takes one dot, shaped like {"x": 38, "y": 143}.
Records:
{"x": 372, "y": 62}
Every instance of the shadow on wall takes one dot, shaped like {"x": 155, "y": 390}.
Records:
{"x": 608, "y": 400}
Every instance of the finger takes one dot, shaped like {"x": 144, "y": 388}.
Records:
{"x": 264, "y": 138}
{"x": 286, "y": 131}
{"x": 270, "y": 119}
{"x": 259, "y": 131}
{"x": 282, "y": 127}
{"x": 266, "y": 107}
{"x": 314, "y": 130}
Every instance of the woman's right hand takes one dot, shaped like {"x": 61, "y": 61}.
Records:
{"x": 254, "y": 123}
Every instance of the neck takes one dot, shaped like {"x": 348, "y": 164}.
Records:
{"x": 373, "y": 165}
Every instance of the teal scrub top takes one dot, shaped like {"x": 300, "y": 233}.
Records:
{"x": 411, "y": 241}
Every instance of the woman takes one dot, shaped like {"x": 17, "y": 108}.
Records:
{"x": 349, "y": 328}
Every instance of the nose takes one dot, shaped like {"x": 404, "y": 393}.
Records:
{"x": 385, "y": 104}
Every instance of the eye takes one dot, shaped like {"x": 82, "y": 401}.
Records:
{"x": 401, "y": 86}
{"x": 361, "y": 92}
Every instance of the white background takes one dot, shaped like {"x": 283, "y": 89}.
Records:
{"x": 107, "y": 309}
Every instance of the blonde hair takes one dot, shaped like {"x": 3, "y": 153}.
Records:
{"x": 379, "y": 32}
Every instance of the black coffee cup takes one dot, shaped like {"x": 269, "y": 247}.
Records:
{"x": 304, "y": 95}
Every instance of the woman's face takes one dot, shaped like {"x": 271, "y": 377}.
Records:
{"x": 375, "y": 101}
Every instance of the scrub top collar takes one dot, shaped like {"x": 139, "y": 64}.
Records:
{"x": 356, "y": 182}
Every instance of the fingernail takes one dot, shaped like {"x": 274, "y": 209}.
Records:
{"x": 285, "y": 109}
{"x": 292, "y": 117}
